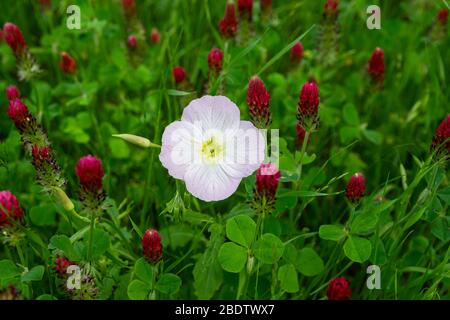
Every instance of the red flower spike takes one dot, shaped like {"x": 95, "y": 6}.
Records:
{"x": 267, "y": 180}
{"x": 129, "y": 7}
{"x": 12, "y": 93}
{"x": 297, "y": 53}
{"x": 228, "y": 25}
{"x": 152, "y": 248}
{"x": 308, "y": 105}
{"x": 376, "y": 65}
{"x": 40, "y": 154}
{"x": 132, "y": 42}
{"x": 179, "y": 74}
{"x": 14, "y": 38}
{"x": 61, "y": 265}
{"x": 258, "y": 101}
{"x": 441, "y": 135}
{"x": 17, "y": 112}
{"x": 356, "y": 187}
{"x": 245, "y": 9}
{"x": 67, "y": 63}
{"x": 215, "y": 58}
{"x": 89, "y": 171}
{"x": 339, "y": 289}
{"x": 442, "y": 16}
{"x": 9, "y": 208}
{"x": 330, "y": 9}
{"x": 155, "y": 37}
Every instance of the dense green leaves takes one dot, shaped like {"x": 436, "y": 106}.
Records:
{"x": 241, "y": 229}
{"x": 288, "y": 278}
{"x": 331, "y": 232}
{"x": 309, "y": 263}
{"x": 269, "y": 248}
{"x": 357, "y": 249}
{"x": 232, "y": 257}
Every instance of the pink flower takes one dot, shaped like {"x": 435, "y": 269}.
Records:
{"x": 356, "y": 187}
{"x": 441, "y": 137}
{"x": 215, "y": 58}
{"x": 155, "y": 37}
{"x": 267, "y": 180}
{"x": 12, "y": 93}
{"x": 339, "y": 289}
{"x": 9, "y": 208}
{"x": 14, "y": 38}
{"x": 131, "y": 42}
{"x": 376, "y": 65}
{"x": 258, "y": 99}
{"x": 228, "y": 25}
{"x": 297, "y": 53}
{"x": 18, "y": 112}
{"x": 178, "y": 74}
{"x": 67, "y": 63}
{"x": 152, "y": 248}
{"x": 211, "y": 149}
{"x": 90, "y": 172}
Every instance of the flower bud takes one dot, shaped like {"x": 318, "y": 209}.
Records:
{"x": 245, "y": 9}
{"x": 339, "y": 289}
{"x": 9, "y": 208}
{"x": 137, "y": 140}
{"x": 155, "y": 37}
{"x": 267, "y": 179}
{"x": 258, "y": 101}
{"x": 356, "y": 187}
{"x": 308, "y": 106}
{"x": 67, "y": 63}
{"x": 63, "y": 199}
{"x": 61, "y": 265}
{"x": 215, "y": 58}
{"x": 132, "y": 42}
{"x": 90, "y": 172}
{"x": 151, "y": 246}
{"x": 330, "y": 9}
{"x": 297, "y": 53}
{"x": 376, "y": 66}
{"x": 441, "y": 139}
{"x": 228, "y": 24}
{"x": 179, "y": 74}
{"x": 442, "y": 16}
{"x": 14, "y": 38}
{"x": 12, "y": 93}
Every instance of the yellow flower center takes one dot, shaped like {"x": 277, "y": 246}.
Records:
{"x": 211, "y": 149}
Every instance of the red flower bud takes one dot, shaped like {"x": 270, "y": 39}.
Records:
{"x": 339, "y": 289}
{"x": 376, "y": 65}
{"x": 61, "y": 265}
{"x": 152, "y": 248}
{"x": 40, "y": 155}
{"x": 228, "y": 25}
{"x": 14, "y": 38}
{"x": 155, "y": 37}
{"x": 67, "y": 63}
{"x": 132, "y": 42}
{"x": 90, "y": 172}
{"x": 441, "y": 137}
{"x": 258, "y": 101}
{"x": 442, "y": 16}
{"x": 129, "y": 7}
{"x": 356, "y": 187}
{"x": 267, "y": 179}
{"x": 9, "y": 208}
{"x": 12, "y": 93}
{"x": 215, "y": 58}
{"x": 297, "y": 53}
{"x": 17, "y": 112}
{"x": 178, "y": 74}
{"x": 308, "y": 105}
{"x": 330, "y": 9}
{"x": 245, "y": 9}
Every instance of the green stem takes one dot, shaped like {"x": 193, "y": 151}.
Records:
{"x": 302, "y": 154}
{"x": 91, "y": 236}
{"x": 20, "y": 253}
